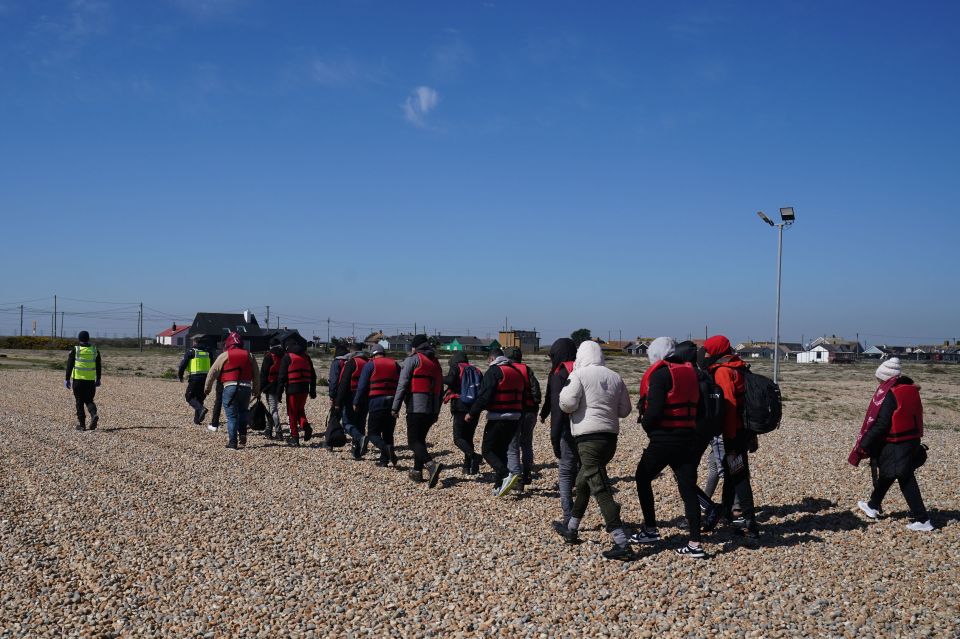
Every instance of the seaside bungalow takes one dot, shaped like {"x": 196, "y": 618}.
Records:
{"x": 214, "y": 327}
{"x": 173, "y": 336}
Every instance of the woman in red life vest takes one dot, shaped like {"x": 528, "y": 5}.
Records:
{"x": 374, "y": 397}
{"x": 669, "y": 401}
{"x": 420, "y": 388}
{"x": 298, "y": 378}
{"x": 235, "y": 369}
{"x": 890, "y": 437}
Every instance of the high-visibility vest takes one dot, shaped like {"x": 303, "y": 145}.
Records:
{"x": 85, "y": 363}
{"x": 200, "y": 362}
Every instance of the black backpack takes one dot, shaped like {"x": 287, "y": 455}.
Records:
{"x": 710, "y": 422}
{"x": 258, "y": 416}
{"x": 762, "y": 408}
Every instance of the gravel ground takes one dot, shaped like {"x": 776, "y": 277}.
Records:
{"x": 149, "y": 527}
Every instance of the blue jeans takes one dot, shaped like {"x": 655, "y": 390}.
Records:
{"x": 236, "y": 404}
{"x": 354, "y": 422}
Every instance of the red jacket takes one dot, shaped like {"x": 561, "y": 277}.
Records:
{"x": 728, "y": 375}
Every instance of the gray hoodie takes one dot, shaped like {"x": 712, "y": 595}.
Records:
{"x": 419, "y": 403}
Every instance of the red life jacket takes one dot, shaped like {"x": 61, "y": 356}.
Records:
{"x": 527, "y": 397}
{"x": 680, "y": 406}
{"x": 908, "y": 418}
{"x": 509, "y": 393}
{"x": 358, "y": 361}
{"x": 566, "y": 365}
{"x": 383, "y": 380}
{"x": 298, "y": 371}
{"x": 274, "y": 371}
{"x": 237, "y": 367}
{"x": 427, "y": 376}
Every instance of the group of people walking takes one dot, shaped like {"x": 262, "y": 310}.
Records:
{"x": 691, "y": 400}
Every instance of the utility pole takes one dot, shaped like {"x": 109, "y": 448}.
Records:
{"x": 268, "y": 316}
{"x": 706, "y": 332}
{"x": 61, "y": 323}
{"x": 141, "y": 327}
{"x": 53, "y": 331}
{"x": 856, "y": 349}
{"x": 328, "y": 331}
{"x": 21, "y": 320}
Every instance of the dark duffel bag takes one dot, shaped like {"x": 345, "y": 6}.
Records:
{"x": 258, "y": 416}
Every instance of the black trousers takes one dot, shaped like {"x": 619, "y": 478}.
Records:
{"x": 683, "y": 457}
{"x": 497, "y": 435}
{"x": 908, "y": 486}
{"x": 381, "y": 425}
{"x": 737, "y": 487}
{"x": 194, "y": 395}
{"x": 84, "y": 391}
{"x": 463, "y": 434}
{"x": 217, "y": 405}
{"x": 418, "y": 425}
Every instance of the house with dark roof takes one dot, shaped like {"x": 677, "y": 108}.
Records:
{"x": 213, "y": 328}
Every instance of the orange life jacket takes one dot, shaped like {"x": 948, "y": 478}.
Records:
{"x": 680, "y": 406}
{"x": 298, "y": 371}
{"x": 237, "y": 367}
{"x": 509, "y": 393}
{"x": 907, "y": 420}
{"x": 427, "y": 376}
{"x": 383, "y": 380}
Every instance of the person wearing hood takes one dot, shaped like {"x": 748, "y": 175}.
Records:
{"x": 890, "y": 436}
{"x": 669, "y": 408}
{"x": 236, "y": 369}
{"x": 716, "y": 356}
{"x": 563, "y": 352}
{"x": 298, "y": 378}
{"x": 596, "y": 399}
{"x": 197, "y": 359}
{"x": 374, "y": 398}
{"x": 520, "y": 451}
{"x": 340, "y": 356}
{"x": 83, "y": 378}
{"x": 463, "y": 431}
{"x": 420, "y": 387}
{"x": 354, "y": 421}
{"x": 269, "y": 373}
{"x": 503, "y": 394}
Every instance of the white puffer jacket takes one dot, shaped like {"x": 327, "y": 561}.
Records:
{"x": 595, "y": 397}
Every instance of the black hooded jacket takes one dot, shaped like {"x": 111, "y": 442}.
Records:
{"x": 562, "y": 350}
{"x": 275, "y": 353}
{"x": 296, "y": 388}
{"x": 892, "y": 459}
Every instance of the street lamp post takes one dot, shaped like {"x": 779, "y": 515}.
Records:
{"x": 787, "y": 217}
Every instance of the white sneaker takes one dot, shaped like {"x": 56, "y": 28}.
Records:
{"x": 867, "y": 510}
{"x": 213, "y": 428}
{"x": 920, "y": 526}
{"x": 508, "y": 483}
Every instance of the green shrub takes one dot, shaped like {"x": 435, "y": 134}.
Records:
{"x": 167, "y": 374}
{"x": 35, "y": 343}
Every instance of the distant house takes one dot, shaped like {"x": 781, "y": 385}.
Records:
{"x": 402, "y": 342}
{"x": 173, "y": 336}
{"x": 373, "y": 339}
{"x": 827, "y": 352}
{"x": 214, "y": 327}
{"x": 464, "y": 343}
{"x": 765, "y": 350}
{"x": 526, "y": 341}
{"x": 637, "y": 348}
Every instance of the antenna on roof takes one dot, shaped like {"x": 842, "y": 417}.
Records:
{"x": 246, "y": 316}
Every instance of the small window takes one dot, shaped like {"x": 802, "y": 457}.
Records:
{"x": 241, "y": 329}
{"x": 179, "y": 341}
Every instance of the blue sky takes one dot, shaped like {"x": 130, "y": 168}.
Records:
{"x": 562, "y": 164}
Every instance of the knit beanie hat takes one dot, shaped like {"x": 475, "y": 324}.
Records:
{"x": 889, "y": 368}
{"x": 419, "y": 340}
{"x": 661, "y": 348}
{"x": 83, "y": 336}
{"x": 717, "y": 345}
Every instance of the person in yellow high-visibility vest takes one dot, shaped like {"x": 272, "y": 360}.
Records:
{"x": 197, "y": 360}
{"x": 83, "y": 376}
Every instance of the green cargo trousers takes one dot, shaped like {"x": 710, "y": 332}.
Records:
{"x": 592, "y": 479}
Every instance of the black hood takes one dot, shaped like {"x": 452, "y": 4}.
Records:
{"x": 459, "y": 357}
{"x": 685, "y": 352}
{"x": 563, "y": 350}
{"x": 514, "y": 354}
{"x": 295, "y": 347}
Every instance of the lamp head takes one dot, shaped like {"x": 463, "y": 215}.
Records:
{"x": 765, "y": 218}
{"x": 787, "y": 214}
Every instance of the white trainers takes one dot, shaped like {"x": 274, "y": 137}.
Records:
{"x": 867, "y": 510}
{"x": 213, "y": 428}
{"x": 508, "y": 483}
{"x": 920, "y": 526}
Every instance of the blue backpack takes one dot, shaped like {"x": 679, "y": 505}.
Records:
{"x": 470, "y": 379}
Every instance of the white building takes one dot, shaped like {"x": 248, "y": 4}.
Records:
{"x": 174, "y": 336}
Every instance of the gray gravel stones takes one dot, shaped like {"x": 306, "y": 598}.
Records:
{"x": 148, "y": 527}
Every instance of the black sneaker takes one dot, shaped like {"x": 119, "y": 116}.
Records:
{"x": 203, "y": 414}
{"x": 475, "y": 464}
{"x": 80, "y": 427}
{"x": 570, "y": 536}
{"x": 294, "y": 442}
{"x": 383, "y": 462}
{"x": 364, "y": 444}
{"x": 93, "y": 421}
{"x": 690, "y": 551}
{"x": 620, "y": 553}
{"x": 645, "y": 536}
{"x": 710, "y": 519}
{"x": 232, "y": 446}
{"x": 416, "y": 476}
{"x": 356, "y": 450}
{"x": 750, "y": 531}
{"x": 307, "y": 432}
{"x": 434, "y": 469}
{"x": 527, "y": 478}
{"x": 243, "y": 439}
